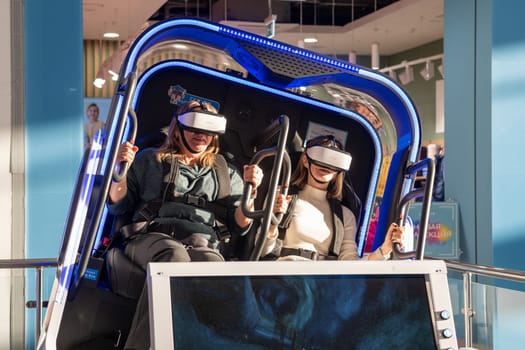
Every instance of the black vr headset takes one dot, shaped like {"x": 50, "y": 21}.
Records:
{"x": 328, "y": 156}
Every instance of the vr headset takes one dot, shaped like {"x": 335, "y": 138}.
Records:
{"x": 203, "y": 122}
{"x": 330, "y": 158}
{"x": 326, "y": 156}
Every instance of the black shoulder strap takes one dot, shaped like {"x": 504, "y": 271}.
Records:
{"x": 218, "y": 206}
{"x": 338, "y": 226}
{"x": 170, "y": 170}
{"x": 223, "y": 176}
{"x": 287, "y": 217}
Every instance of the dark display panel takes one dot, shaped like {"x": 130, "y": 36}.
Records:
{"x": 302, "y": 312}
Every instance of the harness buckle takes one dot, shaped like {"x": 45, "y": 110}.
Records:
{"x": 150, "y": 210}
{"x": 195, "y": 200}
{"x": 222, "y": 232}
{"x": 305, "y": 253}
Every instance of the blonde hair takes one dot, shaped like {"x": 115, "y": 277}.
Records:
{"x": 173, "y": 145}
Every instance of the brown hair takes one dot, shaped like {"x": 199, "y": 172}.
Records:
{"x": 173, "y": 144}
{"x": 300, "y": 175}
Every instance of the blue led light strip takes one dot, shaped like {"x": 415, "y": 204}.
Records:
{"x": 286, "y": 48}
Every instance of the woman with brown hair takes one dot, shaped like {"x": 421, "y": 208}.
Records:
{"x": 316, "y": 226}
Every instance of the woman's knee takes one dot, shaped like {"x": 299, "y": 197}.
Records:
{"x": 204, "y": 254}
{"x": 153, "y": 247}
{"x": 156, "y": 247}
{"x": 171, "y": 251}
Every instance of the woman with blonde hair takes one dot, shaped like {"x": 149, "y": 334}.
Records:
{"x": 185, "y": 193}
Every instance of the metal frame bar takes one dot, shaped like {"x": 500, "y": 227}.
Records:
{"x": 38, "y": 265}
{"x": 488, "y": 271}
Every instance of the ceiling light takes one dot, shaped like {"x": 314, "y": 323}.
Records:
{"x": 111, "y": 35}
{"x": 269, "y": 22}
{"x": 375, "y": 56}
{"x": 429, "y": 63}
{"x": 180, "y": 46}
{"x": 392, "y": 74}
{"x": 352, "y": 57}
{"x": 428, "y": 72}
{"x": 114, "y": 76}
{"x": 99, "y": 82}
{"x": 310, "y": 40}
{"x": 407, "y": 76}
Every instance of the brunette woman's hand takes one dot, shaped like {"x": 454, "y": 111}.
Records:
{"x": 281, "y": 203}
{"x": 393, "y": 235}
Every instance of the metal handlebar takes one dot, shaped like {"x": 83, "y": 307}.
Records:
{"x": 124, "y": 166}
{"x": 286, "y": 165}
{"x": 127, "y": 89}
{"x": 426, "y": 193}
{"x": 282, "y": 162}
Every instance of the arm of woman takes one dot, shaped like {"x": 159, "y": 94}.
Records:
{"x": 393, "y": 235}
{"x": 280, "y": 207}
{"x": 118, "y": 190}
{"x": 254, "y": 175}
{"x": 349, "y": 247}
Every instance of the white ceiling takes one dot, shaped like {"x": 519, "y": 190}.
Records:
{"x": 398, "y": 27}
{"x": 125, "y": 17}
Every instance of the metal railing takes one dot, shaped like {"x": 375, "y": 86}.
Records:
{"x": 38, "y": 265}
{"x": 467, "y": 271}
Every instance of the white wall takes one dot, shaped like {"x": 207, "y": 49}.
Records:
{"x": 5, "y": 175}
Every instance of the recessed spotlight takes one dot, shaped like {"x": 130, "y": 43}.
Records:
{"x": 99, "y": 83}
{"x": 111, "y": 35}
{"x": 180, "y": 46}
{"x": 310, "y": 40}
{"x": 114, "y": 76}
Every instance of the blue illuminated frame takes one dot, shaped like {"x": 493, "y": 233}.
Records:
{"x": 346, "y": 113}
{"x": 372, "y": 83}
{"x": 392, "y": 93}
{"x": 393, "y": 98}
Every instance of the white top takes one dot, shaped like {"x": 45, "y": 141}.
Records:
{"x": 311, "y": 226}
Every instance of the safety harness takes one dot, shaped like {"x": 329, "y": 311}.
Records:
{"x": 206, "y": 122}
{"x": 150, "y": 210}
{"x": 338, "y": 221}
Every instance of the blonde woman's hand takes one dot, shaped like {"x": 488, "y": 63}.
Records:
{"x": 127, "y": 152}
{"x": 253, "y": 174}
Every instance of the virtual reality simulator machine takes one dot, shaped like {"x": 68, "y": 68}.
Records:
{"x": 271, "y": 98}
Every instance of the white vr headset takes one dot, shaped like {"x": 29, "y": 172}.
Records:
{"x": 203, "y": 122}
{"x": 329, "y": 157}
